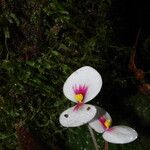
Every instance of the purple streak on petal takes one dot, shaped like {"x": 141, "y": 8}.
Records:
{"x": 80, "y": 90}
{"x": 77, "y": 106}
{"x": 75, "y": 89}
{"x": 102, "y": 121}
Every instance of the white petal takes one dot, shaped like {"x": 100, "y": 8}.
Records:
{"x": 87, "y": 76}
{"x": 120, "y": 135}
{"x": 74, "y": 118}
{"x": 95, "y": 123}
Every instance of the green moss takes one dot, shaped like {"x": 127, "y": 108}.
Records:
{"x": 41, "y": 44}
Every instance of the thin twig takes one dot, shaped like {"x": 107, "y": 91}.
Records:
{"x": 93, "y": 137}
{"x": 6, "y": 45}
{"x": 137, "y": 38}
{"x": 132, "y": 65}
{"x": 106, "y": 145}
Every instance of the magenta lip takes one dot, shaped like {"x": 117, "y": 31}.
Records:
{"x": 81, "y": 89}
{"x": 102, "y": 120}
{"x": 78, "y": 106}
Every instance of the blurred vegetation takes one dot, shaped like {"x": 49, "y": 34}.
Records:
{"x": 41, "y": 44}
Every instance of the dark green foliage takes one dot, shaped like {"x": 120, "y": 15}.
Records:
{"x": 41, "y": 44}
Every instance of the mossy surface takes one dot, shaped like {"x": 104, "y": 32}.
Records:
{"x": 43, "y": 42}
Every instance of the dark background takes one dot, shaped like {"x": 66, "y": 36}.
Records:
{"x": 43, "y": 42}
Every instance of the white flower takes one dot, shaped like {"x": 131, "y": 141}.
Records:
{"x": 81, "y": 87}
{"x": 118, "y": 134}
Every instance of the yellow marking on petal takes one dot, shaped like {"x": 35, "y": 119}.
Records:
{"x": 79, "y": 97}
{"x": 107, "y": 123}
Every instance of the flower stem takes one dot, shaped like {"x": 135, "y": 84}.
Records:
{"x": 93, "y": 137}
{"x": 106, "y": 145}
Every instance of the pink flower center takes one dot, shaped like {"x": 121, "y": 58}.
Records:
{"x": 106, "y": 123}
{"x": 79, "y": 95}
{"x": 81, "y": 89}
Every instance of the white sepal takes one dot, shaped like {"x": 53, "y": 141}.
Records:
{"x": 85, "y": 76}
{"x": 120, "y": 135}
{"x": 74, "y": 118}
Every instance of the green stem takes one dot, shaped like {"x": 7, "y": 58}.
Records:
{"x": 106, "y": 145}
{"x": 93, "y": 137}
